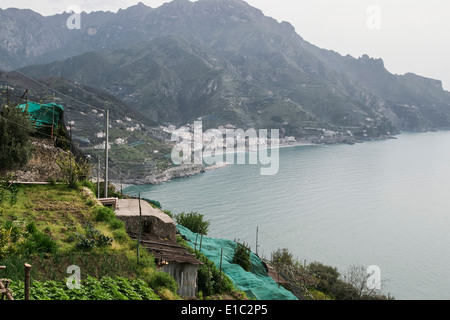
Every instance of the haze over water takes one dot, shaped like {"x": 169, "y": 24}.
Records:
{"x": 384, "y": 203}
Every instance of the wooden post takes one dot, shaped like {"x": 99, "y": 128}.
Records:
{"x": 5, "y": 292}
{"x": 196, "y": 242}
{"x": 4, "y": 288}
{"x": 201, "y": 239}
{"x": 27, "y": 281}
{"x": 209, "y": 281}
{"x": 257, "y": 241}
{"x": 220, "y": 269}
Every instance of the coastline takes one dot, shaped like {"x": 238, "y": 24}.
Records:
{"x": 189, "y": 170}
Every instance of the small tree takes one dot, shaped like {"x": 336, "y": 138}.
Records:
{"x": 74, "y": 169}
{"x": 242, "y": 256}
{"x": 194, "y": 221}
{"x": 15, "y": 138}
{"x": 283, "y": 257}
{"x": 357, "y": 277}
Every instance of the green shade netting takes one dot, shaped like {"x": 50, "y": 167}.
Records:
{"x": 255, "y": 283}
{"x": 43, "y": 114}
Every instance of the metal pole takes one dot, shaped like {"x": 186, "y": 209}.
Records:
{"x": 98, "y": 178}
{"x": 140, "y": 228}
{"x": 106, "y": 152}
{"x": 70, "y": 157}
{"x": 53, "y": 116}
{"x": 7, "y": 96}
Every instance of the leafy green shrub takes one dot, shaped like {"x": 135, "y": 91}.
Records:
{"x": 5, "y": 242}
{"x": 194, "y": 221}
{"x": 104, "y": 214}
{"x": 75, "y": 170}
{"x": 15, "y": 229}
{"x": 38, "y": 242}
{"x": 120, "y": 235}
{"x": 210, "y": 280}
{"x": 242, "y": 256}
{"x": 10, "y": 189}
{"x": 154, "y": 203}
{"x": 85, "y": 243}
{"x": 15, "y": 138}
{"x": 90, "y": 202}
{"x": 16, "y": 237}
{"x": 161, "y": 280}
{"x": 117, "y": 224}
{"x": 93, "y": 238}
{"x": 88, "y": 185}
{"x": 169, "y": 213}
{"x": 283, "y": 257}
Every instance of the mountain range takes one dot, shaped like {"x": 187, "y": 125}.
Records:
{"x": 224, "y": 62}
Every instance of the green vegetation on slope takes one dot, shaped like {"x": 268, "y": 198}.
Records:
{"x": 317, "y": 281}
{"x": 107, "y": 288}
{"x": 53, "y": 227}
{"x": 15, "y": 140}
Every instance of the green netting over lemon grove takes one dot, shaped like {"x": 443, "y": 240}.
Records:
{"x": 43, "y": 114}
{"x": 255, "y": 283}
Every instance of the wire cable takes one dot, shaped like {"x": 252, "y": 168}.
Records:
{"x": 49, "y": 88}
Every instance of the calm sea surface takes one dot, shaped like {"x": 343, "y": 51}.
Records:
{"x": 384, "y": 203}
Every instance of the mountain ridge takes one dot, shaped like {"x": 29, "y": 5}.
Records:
{"x": 264, "y": 74}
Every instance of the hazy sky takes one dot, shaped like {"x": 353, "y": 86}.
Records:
{"x": 409, "y": 35}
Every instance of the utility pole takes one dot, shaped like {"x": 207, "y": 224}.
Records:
{"x": 140, "y": 229}
{"x": 26, "y": 99}
{"x": 98, "y": 178}
{"x": 257, "y": 241}
{"x": 53, "y": 116}
{"x": 106, "y": 152}
{"x": 70, "y": 156}
{"x": 7, "y": 96}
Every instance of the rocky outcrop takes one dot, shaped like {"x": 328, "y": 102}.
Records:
{"x": 42, "y": 166}
{"x": 182, "y": 171}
